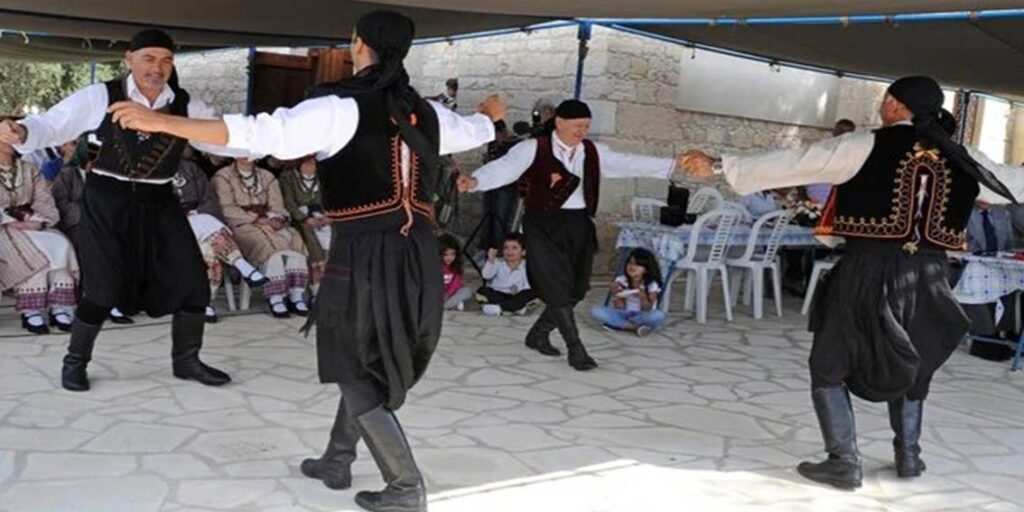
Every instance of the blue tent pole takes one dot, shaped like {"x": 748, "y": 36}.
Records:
{"x": 583, "y": 34}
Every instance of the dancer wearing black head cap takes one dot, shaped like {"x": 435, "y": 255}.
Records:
{"x": 559, "y": 178}
{"x": 136, "y": 248}
{"x": 885, "y": 319}
{"x": 380, "y": 304}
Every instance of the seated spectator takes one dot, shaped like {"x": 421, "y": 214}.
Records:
{"x": 215, "y": 240}
{"x": 300, "y": 189}
{"x": 250, "y": 199}
{"x": 44, "y": 276}
{"x": 634, "y": 305}
{"x": 455, "y": 294}
{"x": 989, "y": 231}
{"x": 507, "y": 288}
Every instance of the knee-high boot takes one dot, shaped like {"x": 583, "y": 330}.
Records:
{"x": 842, "y": 468}
{"x": 405, "y": 491}
{"x": 83, "y": 337}
{"x": 564, "y": 318}
{"x": 186, "y": 342}
{"x": 905, "y": 419}
{"x": 334, "y": 467}
{"x": 538, "y": 338}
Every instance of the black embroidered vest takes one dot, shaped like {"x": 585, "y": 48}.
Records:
{"x": 361, "y": 185}
{"x": 139, "y": 156}
{"x": 903, "y": 193}
{"x": 547, "y": 184}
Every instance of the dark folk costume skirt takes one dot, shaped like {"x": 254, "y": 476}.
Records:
{"x": 884, "y": 321}
{"x": 560, "y": 249}
{"x": 379, "y": 309}
{"x": 137, "y": 251}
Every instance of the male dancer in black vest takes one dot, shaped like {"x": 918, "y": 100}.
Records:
{"x": 559, "y": 177}
{"x": 380, "y": 304}
{"x": 136, "y": 248}
{"x": 885, "y": 319}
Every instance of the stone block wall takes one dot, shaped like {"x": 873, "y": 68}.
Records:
{"x": 218, "y": 77}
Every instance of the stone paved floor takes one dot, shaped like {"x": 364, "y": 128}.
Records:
{"x": 692, "y": 418}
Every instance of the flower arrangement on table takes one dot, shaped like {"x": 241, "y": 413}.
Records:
{"x": 806, "y": 213}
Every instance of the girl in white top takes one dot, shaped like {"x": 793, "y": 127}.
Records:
{"x": 634, "y": 305}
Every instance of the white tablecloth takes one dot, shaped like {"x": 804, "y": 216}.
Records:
{"x": 985, "y": 279}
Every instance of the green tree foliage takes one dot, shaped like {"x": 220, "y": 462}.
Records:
{"x": 24, "y": 85}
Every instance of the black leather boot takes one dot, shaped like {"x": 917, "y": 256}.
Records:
{"x": 334, "y": 467}
{"x": 405, "y": 491}
{"x": 842, "y": 468}
{"x": 905, "y": 419}
{"x": 564, "y": 318}
{"x": 186, "y": 341}
{"x": 73, "y": 375}
{"x": 539, "y": 336}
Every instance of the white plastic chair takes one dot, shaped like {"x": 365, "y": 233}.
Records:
{"x": 746, "y": 216}
{"x": 646, "y": 209}
{"x": 757, "y": 258}
{"x": 820, "y": 267}
{"x": 704, "y": 200}
{"x": 697, "y": 268}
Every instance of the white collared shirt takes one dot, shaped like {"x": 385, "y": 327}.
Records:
{"x": 84, "y": 111}
{"x": 613, "y": 164}
{"x": 836, "y": 160}
{"x": 324, "y": 125}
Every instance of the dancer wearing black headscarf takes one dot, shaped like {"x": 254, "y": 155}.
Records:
{"x": 135, "y": 245}
{"x": 885, "y": 319}
{"x": 379, "y": 308}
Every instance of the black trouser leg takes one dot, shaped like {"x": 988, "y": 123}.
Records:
{"x": 334, "y": 466}
{"x": 905, "y": 417}
{"x": 518, "y": 301}
{"x": 73, "y": 376}
{"x": 186, "y": 341}
{"x": 565, "y": 320}
{"x": 842, "y": 469}
{"x": 405, "y": 491}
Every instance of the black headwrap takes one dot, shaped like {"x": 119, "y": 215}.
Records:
{"x": 923, "y": 97}
{"x": 573, "y": 109}
{"x": 389, "y": 34}
{"x": 151, "y": 38}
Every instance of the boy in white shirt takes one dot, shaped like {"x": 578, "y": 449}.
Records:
{"x": 507, "y": 288}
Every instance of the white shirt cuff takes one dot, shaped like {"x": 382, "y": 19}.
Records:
{"x": 239, "y": 132}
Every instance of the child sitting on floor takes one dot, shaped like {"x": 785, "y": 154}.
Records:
{"x": 507, "y": 288}
{"x": 634, "y": 305}
{"x": 455, "y": 294}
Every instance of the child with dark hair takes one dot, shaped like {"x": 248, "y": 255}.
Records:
{"x": 455, "y": 294}
{"x": 635, "y": 296}
{"x": 507, "y": 288}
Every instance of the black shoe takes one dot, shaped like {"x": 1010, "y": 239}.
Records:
{"x": 579, "y": 359}
{"x": 122, "y": 320}
{"x": 905, "y": 419}
{"x": 256, "y": 283}
{"x": 34, "y": 329}
{"x": 186, "y": 342}
{"x": 842, "y": 469}
{"x": 212, "y": 318}
{"x": 62, "y": 326}
{"x": 334, "y": 467}
{"x": 73, "y": 376}
{"x": 276, "y": 314}
{"x": 293, "y": 308}
{"x": 405, "y": 491}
